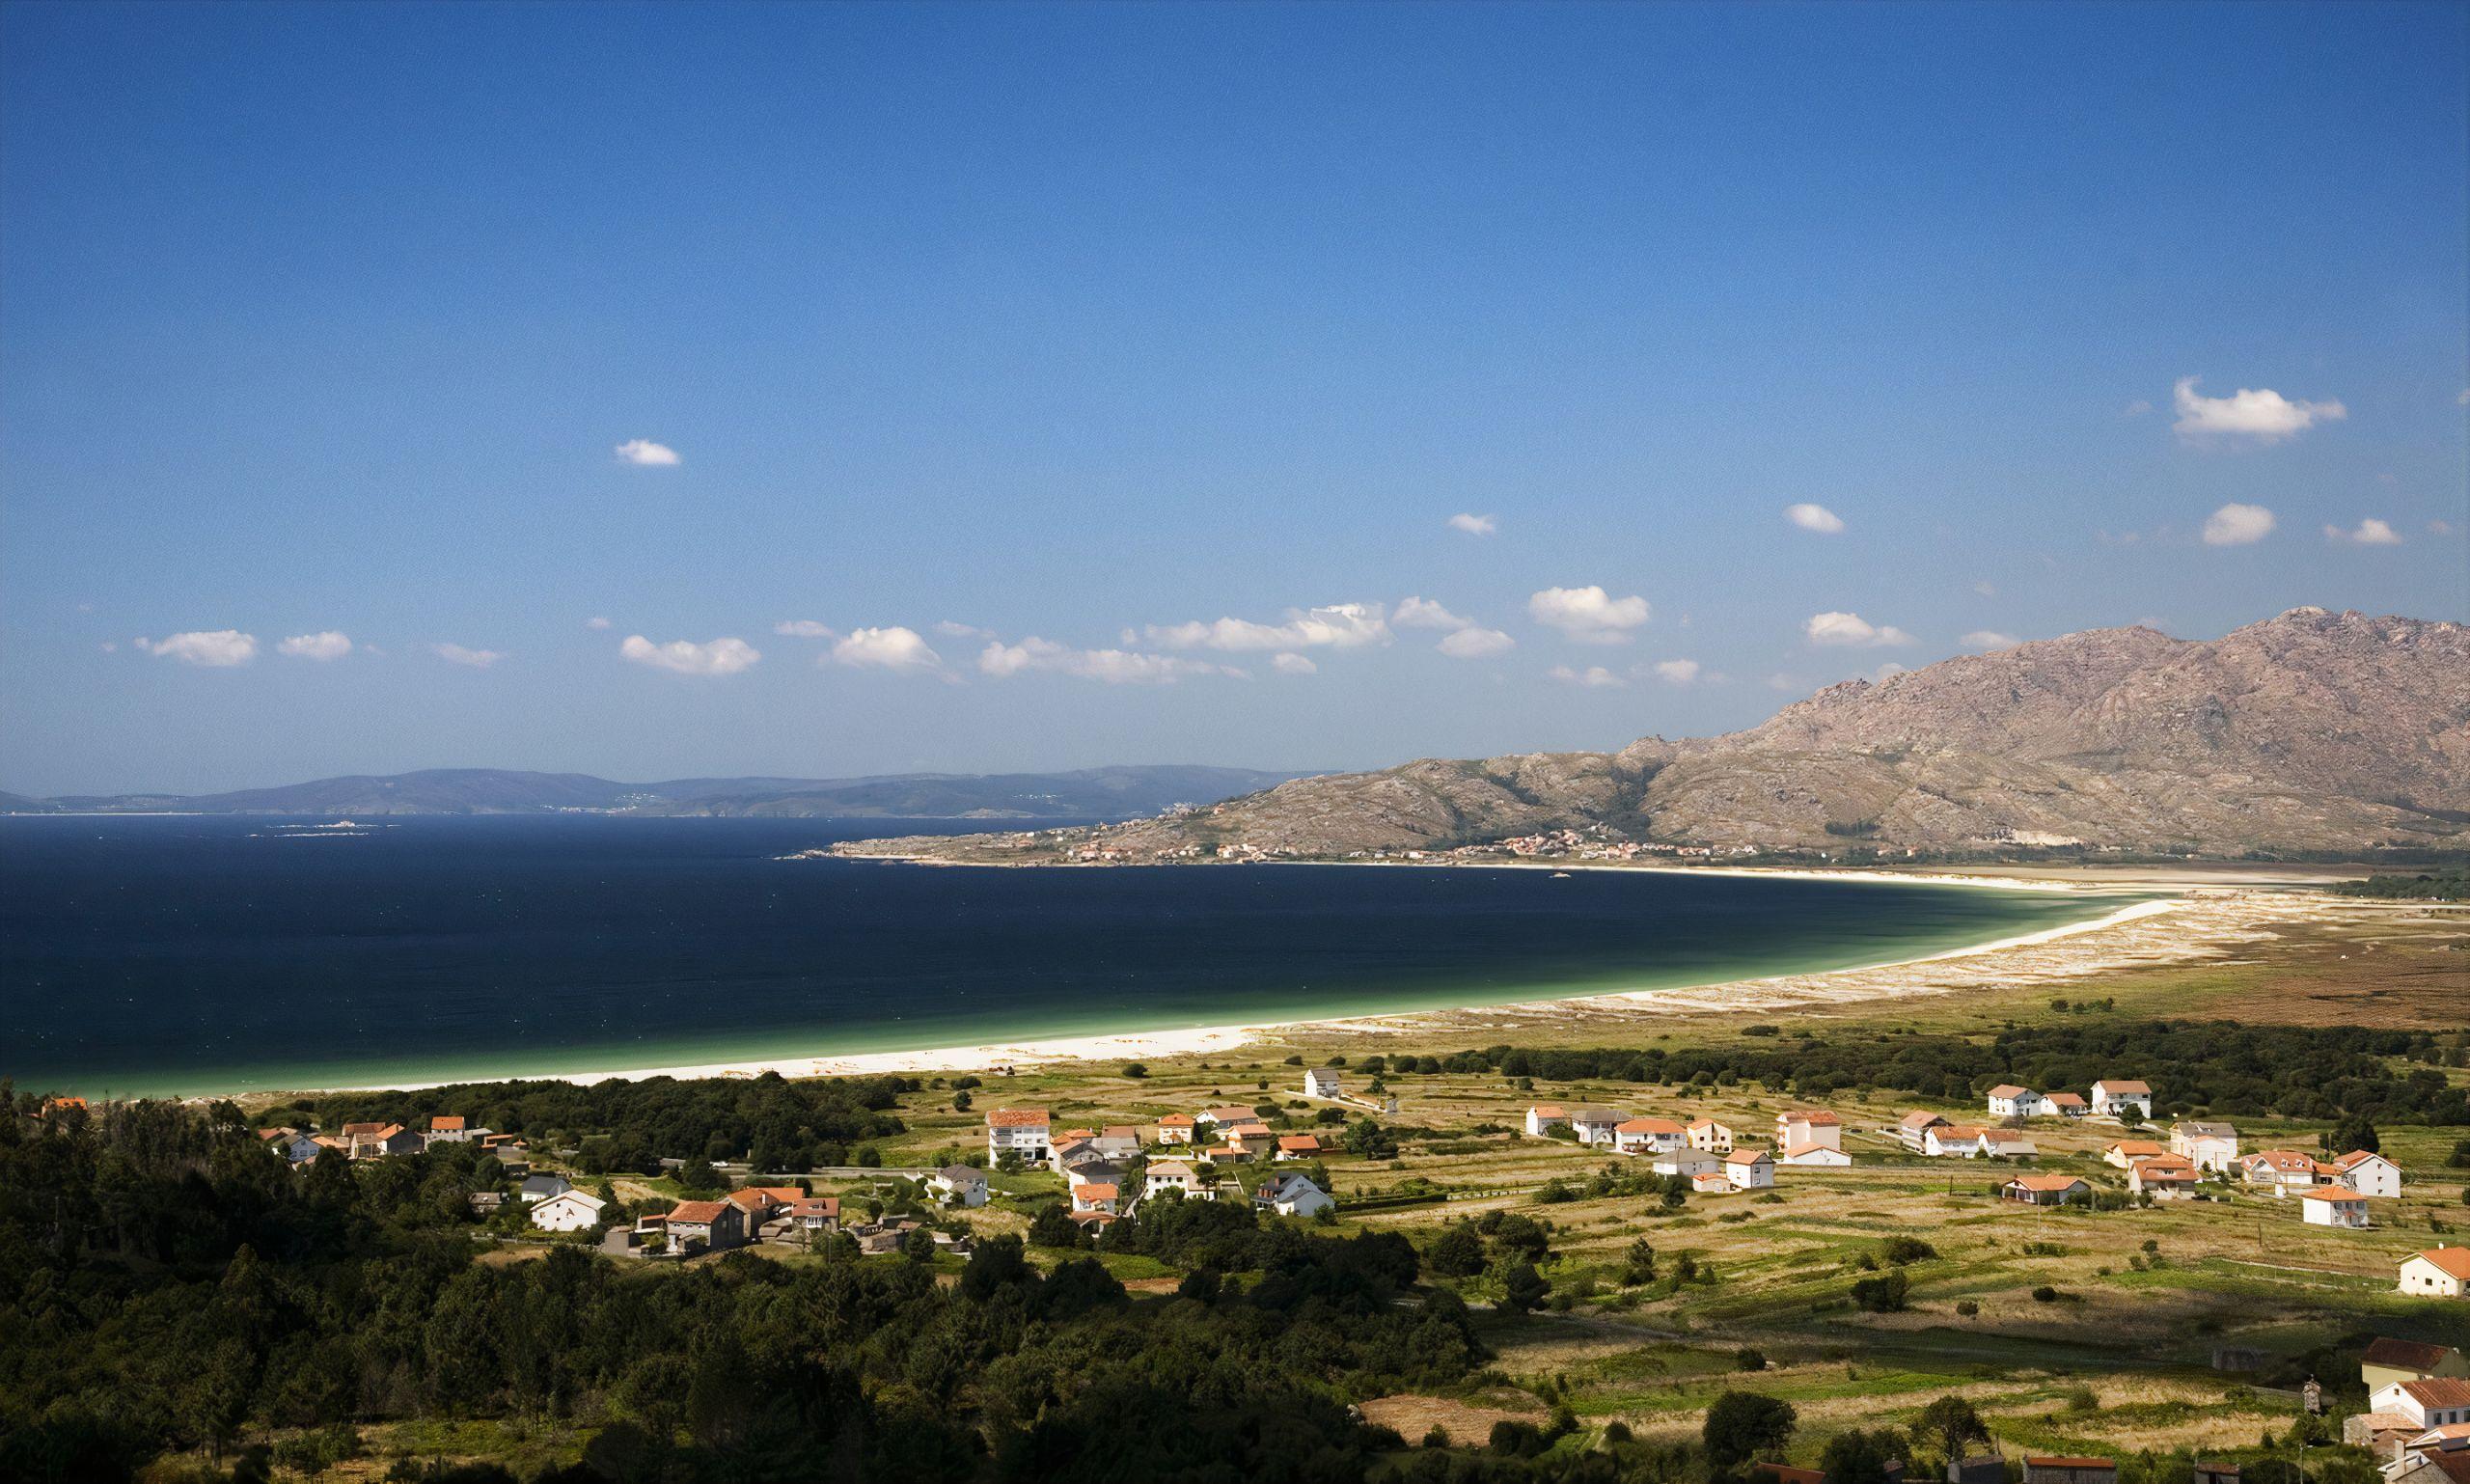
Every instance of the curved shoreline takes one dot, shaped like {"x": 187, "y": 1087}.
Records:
{"x": 1141, "y": 1044}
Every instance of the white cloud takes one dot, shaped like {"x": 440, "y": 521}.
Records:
{"x": 595, "y": 623}
{"x": 1851, "y": 631}
{"x": 109, "y": 647}
{"x": 1475, "y": 644}
{"x": 1337, "y": 626}
{"x": 1110, "y": 666}
{"x": 1677, "y": 672}
{"x": 646, "y": 454}
{"x": 458, "y": 654}
{"x": 892, "y": 648}
{"x": 1587, "y": 614}
{"x": 950, "y": 630}
{"x": 1294, "y": 665}
{"x": 1888, "y": 671}
{"x": 1474, "y": 525}
{"x": 1814, "y": 518}
{"x": 2370, "y": 532}
{"x": 214, "y": 648}
{"x": 1990, "y": 639}
{"x": 724, "y": 657}
{"x": 1417, "y": 613}
{"x": 2237, "y": 525}
{"x": 1985, "y": 588}
{"x": 801, "y": 628}
{"x": 2136, "y": 408}
{"x": 327, "y": 645}
{"x": 1594, "y": 676}
{"x": 2263, "y": 415}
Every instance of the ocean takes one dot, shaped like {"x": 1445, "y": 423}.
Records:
{"x": 164, "y": 955}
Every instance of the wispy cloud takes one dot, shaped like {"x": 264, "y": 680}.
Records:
{"x": 646, "y": 454}
{"x": 724, "y": 657}
{"x": 1675, "y": 672}
{"x": 213, "y": 648}
{"x": 801, "y": 628}
{"x": 1337, "y": 626}
{"x": 2237, "y": 525}
{"x": 1814, "y": 518}
{"x": 1990, "y": 639}
{"x": 1847, "y": 630}
{"x": 1294, "y": 665}
{"x": 328, "y": 645}
{"x": 952, "y": 630}
{"x": 892, "y": 648}
{"x": 2370, "y": 531}
{"x": 595, "y": 623}
{"x": 1108, "y": 667}
{"x": 1588, "y": 615}
{"x": 2261, "y": 414}
{"x": 1474, "y": 525}
{"x": 1593, "y": 676}
{"x": 459, "y": 654}
{"x": 1417, "y": 613}
{"x": 1475, "y": 644}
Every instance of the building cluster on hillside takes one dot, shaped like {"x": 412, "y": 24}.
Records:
{"x": 301, "y": 1146}
{"x": 1095, "y": 1164}
{"x": 2417, "y": 1424}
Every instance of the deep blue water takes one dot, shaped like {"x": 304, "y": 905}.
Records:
{"x": 186, "y": 955}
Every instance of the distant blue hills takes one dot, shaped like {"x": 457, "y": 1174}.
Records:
{"x": 1104, "y": 793}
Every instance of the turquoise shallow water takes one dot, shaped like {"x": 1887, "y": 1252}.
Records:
{"x": 191, "y": 954}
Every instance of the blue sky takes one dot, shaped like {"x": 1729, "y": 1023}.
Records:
{"x": 1039, "y": 340}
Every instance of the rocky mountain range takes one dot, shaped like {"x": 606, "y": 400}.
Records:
{"x": 2310, "y": 732}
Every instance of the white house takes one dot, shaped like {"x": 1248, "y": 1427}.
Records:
{"x": 961, "y": 1183}
{"x": 1595, "y": 1125}
{"x": 1165, "y": 1176}
{"x": 2117, "y": 1097}
{"x": 1823, "y": 1155}
{"x": 2334, "y": 1205}
{"x": 1808, "y": 1126}
{"x": 1175, "y": 1128}
{"x": 2008, "y": 1101}
{"x": 1914, "y": 1130}
{"x": 2282, "y": 1170}
{"x": 2164, "y": 1177}
{"x": 2125, "y": 1152}
{"x": 1020, "y": 1130}
{"x": 1292, "y": 1194}
{"x": 2209, "y": 1145}
{"x": 1687, "y": 1162}
{"x": 1649, "y": 1135}
{"x": 1320, "y": 1082}
{"x": 1541, "y": 1117}
{"x": 1749, "y": 1170}
{"x": 570, "y": 1210}
{"x": 2368, "y": 1173}
{"x": 2007, "y": 1144}
{"x": 540, "y": 1188}
{"x": 2438, "y": 1273}
{"x": 1708, "y": 1137}
{"x": 1095, "y": 1196}
{"x": 2063, "y": 1105}
{"x": 2440, "y": 1401}
{"x": 1951, "y": 1141}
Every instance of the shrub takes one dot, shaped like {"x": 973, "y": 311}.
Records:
{"x": 1749, "y": 1358}
{"x": 2044, "y": 1294}
{"x": 1968, "y": 1308}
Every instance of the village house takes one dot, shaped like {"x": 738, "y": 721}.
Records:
{"x": 2282, "y": 1171}
{"x": 1320, "y": 1082}
{"x": 448, "y": 1129}
{"x": 1093, "y": 1222}
{"x": 1175, "y": 1128}
{"x": 2334, "y": 1205}
{"x": 2213, "y": 1472}
{"x": 2046, "y": 1189}
{"x": 567, "y": 1211}
{"x": 2070, "y": 1470}
{"x": 1071, "y": 1147}
{"x": 2208, "y": 1145}
{"x": 2438, "y": 1273}
{"x": 1540, "y": 1116}
{"x": 299, "y": 1148}
{"x": 1298, "y": 1146}
{"x": 1711, "y": 1182}
{"x": 2368, "y": 1173}
{"x": 2008, "y": 1101}
{"x": 2439, "y": 1401}
{"x": 2116, "y": 1097}
{"x": 1648, "y": 1136}
{"x": 1095, "y": 1196}
{"x": 2125, "y": 1153}
{"x": 2386, "y": 1360}
{"x": 1951, "y": 1141}
{"x": 815, "y": 1216}
{"x": 2434, "y": 1457}
{"x": 711, "y": 1225}
{"x": 372, "y": 1140}
{"x": 1020, "y": 1131}
{"x": 1689, "y": 1162}
{"x": 1912, "y": 1130}
{"x": 1808, "y": 1126}
{"x": 1163, "y": 1175}
{"x": 2008, "y": 1144}
{"x": 1708, "y": 1137}
{"x": 2064, "y": 1104}
{"x": 1595, "y": 1125}
{"x": 540, "y": 1188}
{"x": 761, "y": 1203}
{"x": 961, "y": 1183}
{"x": 2163, "y": 1178}
{"x": 1977, "y": 1469}
{"x": 1292, "y": 1194}
{"x": 1749, "y": 1170}
{"x": 1824, "y": 1156}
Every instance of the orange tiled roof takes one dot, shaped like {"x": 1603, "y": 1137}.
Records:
{"x": 1016, "y": 1118}
{"x": 697, "y": 1211}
